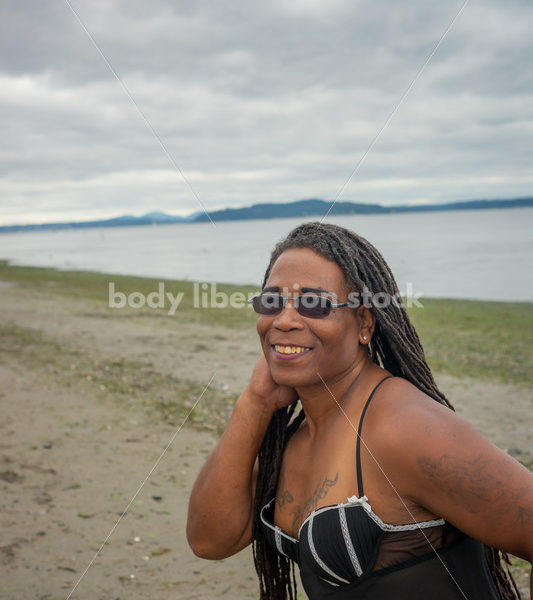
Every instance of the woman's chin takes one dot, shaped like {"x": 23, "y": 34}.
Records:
{"x": 294, "y": 379}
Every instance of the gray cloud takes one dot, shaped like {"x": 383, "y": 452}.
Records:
{"x": 260, "y": 102}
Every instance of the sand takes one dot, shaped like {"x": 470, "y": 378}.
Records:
{"x": 75, "y": 448}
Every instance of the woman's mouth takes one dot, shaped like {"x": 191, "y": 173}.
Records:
{"x": 288, "y": 352}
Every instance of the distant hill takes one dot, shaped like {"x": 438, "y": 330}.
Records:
{"x": 152, "y": 218}
{"x": 312, "y": 207}
{"x": 301, "y": 208}
{"x": 315, "y": 207}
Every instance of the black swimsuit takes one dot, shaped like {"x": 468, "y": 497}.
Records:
{"x": 346, "y": 552}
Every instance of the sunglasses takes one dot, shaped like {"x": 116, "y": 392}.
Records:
{"x": 312, "y": 306}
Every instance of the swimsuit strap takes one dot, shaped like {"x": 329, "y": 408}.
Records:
{"x": 358, "y": 447}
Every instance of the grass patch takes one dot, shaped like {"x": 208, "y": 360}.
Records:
{"x": 89, "y": 285}
{"x": 491, "y": 341}
{"x": 521, "y": 570}
{"x": 484, "y": 340}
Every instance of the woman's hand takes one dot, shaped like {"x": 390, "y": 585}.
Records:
{"x": 221, "y": 504}
{"x": 264, "y": 390}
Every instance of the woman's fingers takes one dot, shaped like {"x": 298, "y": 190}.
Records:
{"x": 266, "y": 390}
{"x": 286, "y": 396}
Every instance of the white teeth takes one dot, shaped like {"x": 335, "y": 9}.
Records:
{"x": 290, "y": 349}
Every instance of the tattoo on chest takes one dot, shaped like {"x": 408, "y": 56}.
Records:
{"x": 283, "y": 497}
{"x": 300, "y": 512}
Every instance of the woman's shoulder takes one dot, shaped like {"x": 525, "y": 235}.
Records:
{"x": 412, "y": 434}
{"x": 437, "y": 460}
{"x": 399, "y": 411}
{"x": 398, "y": 396}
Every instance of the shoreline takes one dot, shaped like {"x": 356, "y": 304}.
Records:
{"x": 8, "y": 263}
{"x": 486, "y": 259}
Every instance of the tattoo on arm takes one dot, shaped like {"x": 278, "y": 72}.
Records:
{"x": 469, "y": 483}
{"x": 525, "y": 514}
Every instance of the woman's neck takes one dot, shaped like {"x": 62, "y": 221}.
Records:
{"x": 322, "y": 400}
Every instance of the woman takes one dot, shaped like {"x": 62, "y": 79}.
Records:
{"x": 375, "y": 488}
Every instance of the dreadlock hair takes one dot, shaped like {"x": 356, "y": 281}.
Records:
{"x": 395, "y": 346}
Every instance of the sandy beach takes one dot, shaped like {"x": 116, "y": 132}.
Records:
{"x": 93, "y": 400}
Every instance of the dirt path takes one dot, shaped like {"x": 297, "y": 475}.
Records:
{"x": 73, "y": 452}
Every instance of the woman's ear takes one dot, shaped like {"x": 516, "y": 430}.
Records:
{"x": 367, "y": 324}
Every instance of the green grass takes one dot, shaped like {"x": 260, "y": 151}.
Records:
{"x": 95, "y": 286}
{"x": 491, "y": 341}
{"x": 521, "y": 571}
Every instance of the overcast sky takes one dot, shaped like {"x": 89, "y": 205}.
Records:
{"x": 258, "y": 102}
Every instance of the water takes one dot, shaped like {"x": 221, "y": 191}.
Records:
{"x": 476, "y": 254}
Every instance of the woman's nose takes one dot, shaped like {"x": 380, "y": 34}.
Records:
{"x": 289, "y": 317}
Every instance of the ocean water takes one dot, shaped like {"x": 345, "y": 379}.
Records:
{"x": 475, "y": 254}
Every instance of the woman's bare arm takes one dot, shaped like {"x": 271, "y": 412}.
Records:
{"x": 440, "y": 462}
{"x": 220, "y": 515}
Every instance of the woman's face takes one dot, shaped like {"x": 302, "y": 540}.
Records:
{"x": 327, "y": 346}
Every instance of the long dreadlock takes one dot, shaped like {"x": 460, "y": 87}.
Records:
{"x": 395, "y": 346}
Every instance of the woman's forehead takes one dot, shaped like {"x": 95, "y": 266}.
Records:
{"x": 306, "y": 268}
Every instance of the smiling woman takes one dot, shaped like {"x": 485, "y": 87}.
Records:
{"x": 329, "y": 343}
{"x": 375, "y": 488}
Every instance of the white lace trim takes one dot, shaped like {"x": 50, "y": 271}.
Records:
{"x": 317, "y": 558}
{"x": 277, "y": 530}
{"x": 355, "y": 501}
{"x": 330, "y": 582}
{"x": 348, "y": 542}
{"x": 408, "y": 526}
{"x": 352, "y": 501}
{"x": 277, "y": 537}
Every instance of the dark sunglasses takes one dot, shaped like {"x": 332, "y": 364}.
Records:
{"x": 312, "y": 306}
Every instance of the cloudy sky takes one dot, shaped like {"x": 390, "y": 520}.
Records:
{"x": 258, "y": 102}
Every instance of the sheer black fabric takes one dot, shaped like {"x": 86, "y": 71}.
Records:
{"x": 346, "y": 552}
{"x": 428, "y": 560}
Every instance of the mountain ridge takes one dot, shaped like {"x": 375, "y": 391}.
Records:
{"x": 298, "y": 208}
